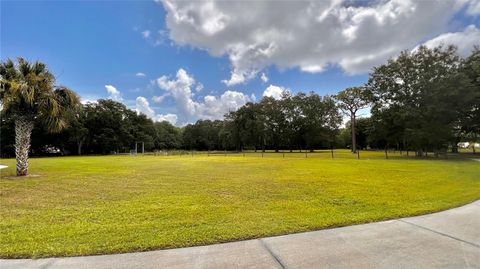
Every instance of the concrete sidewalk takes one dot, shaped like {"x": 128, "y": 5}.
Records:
{"x": 448, "y": 239}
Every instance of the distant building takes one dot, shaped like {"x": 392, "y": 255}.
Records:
{"x": 463, "y": 145}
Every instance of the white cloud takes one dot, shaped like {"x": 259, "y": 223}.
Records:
{"x": 146, "y": 34}
{"x": 140, "y": 74}
{"x": 264, "y": 77}
{"x": 159, "y": 99}
{"x": 312, "y": 68}
{"x": 237, "y": 77}
{"x": 113, "y": 93}
{"x": 180, "y": 90}
{"x": 172, "y": 118}
{"x": 211, "y": 107}
{"x": 473, "y": 8}
{"x": 216, "y": 107}
{"x": 309, "y": 35}
{"x": 465, "y": 41}
{"x": 274, "y": 91}
{"x": 85, "y": 101}
{"x": 143, "y": 107}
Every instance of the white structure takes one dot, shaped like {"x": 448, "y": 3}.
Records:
{"x": 466, "y": 145}
{"x": 135, "y": 151}
{"x": 463, "y": 145}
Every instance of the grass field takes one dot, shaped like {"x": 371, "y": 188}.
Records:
{"x": 111, "y": 204}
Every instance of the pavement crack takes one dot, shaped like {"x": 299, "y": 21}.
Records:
{"x": 440, "y": 233}
{"x": 277, "y": 259}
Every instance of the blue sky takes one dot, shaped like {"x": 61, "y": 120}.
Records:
{"x": 91, "y": 44}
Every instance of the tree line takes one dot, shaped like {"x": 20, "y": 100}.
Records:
{"x": 106, "y": 126}
{"x": 421, "y": 100}
{"x": 103, "y": 127}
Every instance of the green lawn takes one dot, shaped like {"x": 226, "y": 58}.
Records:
{"x": 111, "y": 204}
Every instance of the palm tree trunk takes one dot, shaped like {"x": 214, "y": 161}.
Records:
{"x": 23, "y": 131}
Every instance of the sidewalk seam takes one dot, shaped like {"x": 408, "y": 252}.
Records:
{"x": 440, "y": 233}
{"x": 277, "y": 259}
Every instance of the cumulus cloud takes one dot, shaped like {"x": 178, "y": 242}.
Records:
{"x": 180, "y": 90}
{"x": 309, "y": 35}
{"x": 465, "y": 40}
{"x": 274, "y": 91}
{"x": 113, "y": 93}
{"x": 140, "y": 74}
{"x": 172, "y": 118}
{"x": 211, "y": 107}
{"x": 264, "y": 77}
{"x": 142, "y": 106}
{"x": 216, "y": 107}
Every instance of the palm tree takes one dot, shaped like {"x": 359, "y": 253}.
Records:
{"x": 28, "y": 95}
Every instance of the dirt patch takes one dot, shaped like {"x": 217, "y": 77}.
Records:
{"x": 20, "y": 178}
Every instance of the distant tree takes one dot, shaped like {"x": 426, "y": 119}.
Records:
{"x": 203, "y": 135}
{"x": 362, "y": 130}
{"x": 141, "y": 129}
{"x": 77, "y": 132}
{"x": 28, "y": 92}
{"x": 275, "y": 122}
{"x": 350, "y": 101}
{"x": 167, "y": 136}
{"x": 302, "y": 121}
{"x": 294, "y": 125}
{"x": 419, "y": 97}
{"x": 109, "y": 127}
{"x": 247, "y": 125}
{"x": 226, "y": 136}
{"x": 469, "y": 122}
{"x": 320, "y": 120}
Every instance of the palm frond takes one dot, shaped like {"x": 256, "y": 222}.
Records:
{"x": 66, "y": 97}
{"x": 55, "y": 124}
{"x": 27, "y": 90}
